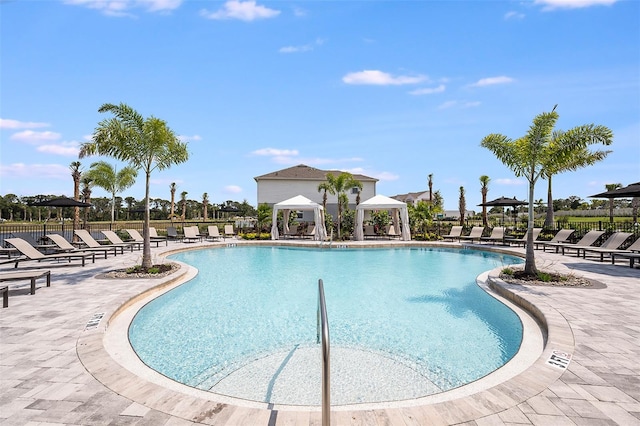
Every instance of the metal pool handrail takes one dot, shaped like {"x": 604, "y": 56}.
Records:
{"x": 322, "y": 329}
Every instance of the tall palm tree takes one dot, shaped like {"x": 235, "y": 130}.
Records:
{"x": 76, "y": 174}
{"x": 430, "y": 183}
{"x": 146, "y": 144}
{"x": 205, "y": 203}
{"x": 612, "y": 187}
{"x": 183, "y": 200}
{"x": 325, "y": 187}
{"x": 87, "y": 183}
{"x": 173, "y": 188}
{"x": 338, "y": 185}
{"x": 462, "y": 205}
{"x": 484, "y": 189}
{"x": 107, "y": 177}
{"x": 528, "y": 155}
{"x": 580, "y": 157}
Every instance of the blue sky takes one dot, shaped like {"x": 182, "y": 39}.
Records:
{"x": 394, "y": 90}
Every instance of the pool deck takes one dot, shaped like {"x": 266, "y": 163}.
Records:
{"x": 55, "y": 369}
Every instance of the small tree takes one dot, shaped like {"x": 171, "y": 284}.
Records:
{"x": 263, "y": 215}
{"x": 484, "y": 189}
{"x": 612, "y": 187}
{"x": 183, "y": 201}
{"x": 76, "y": 174}
{"x": 173, "y": 189}
{"x": 338, "y": 185}
{"x": 146, "y": 144}
{"x": 462, "y": 205}
{"x": 529, "y": 155}
{"x": 111, "y": 180}
{"x": 205, "y": 204}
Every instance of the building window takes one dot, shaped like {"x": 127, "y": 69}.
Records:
{"x": 355, "y": 190}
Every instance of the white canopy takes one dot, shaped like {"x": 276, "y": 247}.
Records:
{"x": 298, "y": 202}
{"x": 380, "y": 202}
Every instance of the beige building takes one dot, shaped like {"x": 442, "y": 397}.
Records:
{"x": 304, "y": 180}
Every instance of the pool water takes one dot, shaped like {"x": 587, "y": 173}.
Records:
{"x": 418, "y": 309}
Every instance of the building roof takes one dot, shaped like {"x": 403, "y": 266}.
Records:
{"x": 304, "y": 172}
{"x": 411, "y": 195}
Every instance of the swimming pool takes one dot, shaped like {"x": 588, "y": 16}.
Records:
{"x": 404, "y": 323}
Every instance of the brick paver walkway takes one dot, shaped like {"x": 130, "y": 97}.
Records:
{"x": 54, "y": 369}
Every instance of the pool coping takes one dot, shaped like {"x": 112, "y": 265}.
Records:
{"x": 539, "y": 376}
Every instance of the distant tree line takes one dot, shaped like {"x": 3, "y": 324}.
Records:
{"x": 15, "y": 208}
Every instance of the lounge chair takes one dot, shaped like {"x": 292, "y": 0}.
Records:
{"x": 31, "y": 275}
{"x": 497, "y": 235}
{"x": 32, "y": 253}
{"x": 172, "y": 233}
{"x": 37, "y": 243}
{"x": 562, "y": 236}
{"x": 632, "y": 253}
{"x": 153, "y": 234}
{"x": 228, "y": 231}
{"x": 475, "y": 234}
{"x": 91, "y": 242}
{"x": 65, "y": 246}
{"x": 214, "y": 233}
{"x": 115, "y": 239}
{"x": 391, "y": 232}
{"x": 517, "y": 241}
{"x": 138, "y": 238}
{"x": 370, "y": 231}
{"x": 310, "y": 231}
{"x": 292, "y": 232}
{"x": 614, "y": 242}
{"x": 454, "y": 234}
{"x": 191, "y": 234}
{"x": 587, "y": 240}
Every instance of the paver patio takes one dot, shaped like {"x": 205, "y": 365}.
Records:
{"x": 54, "y": 369}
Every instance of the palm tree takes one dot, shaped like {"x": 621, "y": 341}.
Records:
{"x": 205, "y": 203}
{"x": 324, "y": 186}
{"x": 612, "y": 187}
{"x": 76, "y": 174}
{"x": 528, "y": 155}
{"x": 580, "y": 157}
{"x": 87, "y": 183}
{"x": 173, "y": 188}
{"x": 107, "y": 177}
{"x": 338, "y": 185}
{"x": 484, "y": 189}
{"x": 130, "y": 204}
{"x": 264, "y": 213}
{"x": 430, "y": 183}
{"x": 462, "y": 205}
{"x": 147, "y": 144}
{"x": 183, "y": 200}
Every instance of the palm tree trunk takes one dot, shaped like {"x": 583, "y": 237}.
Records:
{"x": 146, "y": 246}
{"x": 548, "y": 221}
{"x": 530, "y": 262}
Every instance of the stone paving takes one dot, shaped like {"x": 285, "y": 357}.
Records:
{"x": 55, "y": 370}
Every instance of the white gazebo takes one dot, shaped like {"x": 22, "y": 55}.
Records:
{"x": 399, "y": 214}
{"x": 298, "y": 202}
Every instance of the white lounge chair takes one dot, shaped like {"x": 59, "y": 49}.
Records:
{"x": 91, "y": 242}
{"x": 475, "y": 234}
{"x": 214, "y": 233}
{"x": 228, "y": 231}
{"x": 612, "y": 245}
{"x": 66, "y": 247}
{"x": 497, "y": 235}
{"x": 32, "y": 253}
{"x": 587, "y": 240}
{"x": 562, "y": 236}
{"x": 517, "y": 241}
{"x": 454, "y": 233}
{"x": 138, "y": 238}
{"x": 115, "y": 239}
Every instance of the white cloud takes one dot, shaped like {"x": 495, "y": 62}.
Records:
{"x": 513, "y": 15}
{"x": 385, "y": 176}
{"x": 30, "y": 136}
{"x": 470, "y": 104}
{"x": 6, "y": 123}
{"x": 121, "y": 7}
{"x": 510, "y": 182}
{"x": 35, "y": 171}
{"x": 232, "y": 189}
{"x": 491, "y": 81}
{"x": 548, "y": 5}
{"x": 448, "y": 104}
{"x": 379, "y": 78}
{"x": 303, "y": 48}
{"x": 459, "y": 104}
{"x": 274, "y": 152}
{"x": 69, "y": 149}
{"x": 242, "y": 10}
{"x": 185, "y": 138}
{"x": 428, "y": 90}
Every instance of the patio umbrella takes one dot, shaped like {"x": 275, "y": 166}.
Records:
{"x": 629, "y": 191}
{"x": 504, "y": 202}
{"x": 62, "y": 202}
